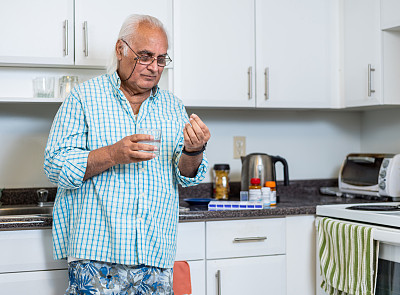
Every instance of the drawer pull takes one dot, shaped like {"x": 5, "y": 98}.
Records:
{"x": 218, "y": 277}
{"x": 249, "y": 239}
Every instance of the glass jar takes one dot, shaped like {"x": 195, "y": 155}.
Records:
{"x": 221, "y": 181}
{"x": 67, "y": 83}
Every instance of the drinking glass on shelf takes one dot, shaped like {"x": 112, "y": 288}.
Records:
{"x": 67, "y": 83}
{"x": 43, "y": 87}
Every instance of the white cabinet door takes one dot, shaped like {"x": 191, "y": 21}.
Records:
{"x": 198, "y": 277}
{"x": 28, "y": 250}
{"x": 34, "y": 283}
{"x": 294, "y": 49}
{"x": 362, "y": 52}
{"x": 214, "y": 52}
{"x": 96, "y": 33}
{"x": 251, "y": 275}
{"x": 32, "y": 32}
{"x": 300, "y": 255}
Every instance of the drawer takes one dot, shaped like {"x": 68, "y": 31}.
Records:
{"x": 28, "y": 250}
{"x": 191, "y": 241}
{"x": 243, "y": 238}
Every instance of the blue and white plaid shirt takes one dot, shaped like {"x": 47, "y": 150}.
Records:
{"x": 129, "y": 213}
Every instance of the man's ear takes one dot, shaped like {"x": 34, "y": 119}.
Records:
{"x": 119, "y": 49}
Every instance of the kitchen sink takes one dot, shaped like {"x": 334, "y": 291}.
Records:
{"x": 26, "y": 210}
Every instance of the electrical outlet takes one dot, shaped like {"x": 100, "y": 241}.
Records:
{"x": 239, "y": 147}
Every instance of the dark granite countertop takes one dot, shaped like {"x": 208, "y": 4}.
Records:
{"x": 300, "y": 198}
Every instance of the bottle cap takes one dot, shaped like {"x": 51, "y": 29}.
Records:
{"x": 270, "y": 183}
{"x": 221, "y": 167}
{"x": 255, "y": 181}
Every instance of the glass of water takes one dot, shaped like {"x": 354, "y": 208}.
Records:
{"x": 157, "y": 139}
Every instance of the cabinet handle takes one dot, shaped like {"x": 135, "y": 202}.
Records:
{"x": 249, "y": 239}
{"x": 250, "y": 82}
{"x": 66, "y": 37}
{"x": 370, "y": 70}
{"x": 266, "y": 75}
{"x": 85, "y": 34}
{"x": 218, "y": 277}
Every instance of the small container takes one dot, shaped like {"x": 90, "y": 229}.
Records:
{"x": 43, "y": 87}
{"x": 221, "y": 181}
{"x": 255, "y": 190}
{"x": 266, "y": 196}
{"x": 272, "y": 186}
{"x": 67, "y": 83}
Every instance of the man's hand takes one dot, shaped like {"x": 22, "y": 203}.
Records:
{"x": 196, "y": 134}
{"x": 127, "y": 149}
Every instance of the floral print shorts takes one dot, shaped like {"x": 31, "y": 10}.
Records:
{"x": 101, "y": 278}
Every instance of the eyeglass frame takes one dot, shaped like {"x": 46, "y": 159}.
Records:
{"x": 138, "y": 57}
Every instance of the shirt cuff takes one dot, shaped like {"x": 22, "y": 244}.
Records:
{"x": 199, "y": 177}
{"x": 74, "y": 169}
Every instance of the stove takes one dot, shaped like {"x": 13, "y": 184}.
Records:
{"x": 383, "y": 218}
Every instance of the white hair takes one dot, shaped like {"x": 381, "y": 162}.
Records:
{"x": 128, "y": 31}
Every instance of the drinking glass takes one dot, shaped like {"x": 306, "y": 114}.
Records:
{"x": 157, "y": 139}
{"x": 43, "y": 87}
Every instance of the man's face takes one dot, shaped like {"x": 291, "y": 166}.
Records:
{"x": 148, "y": 41}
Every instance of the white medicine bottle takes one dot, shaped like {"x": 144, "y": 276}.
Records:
{"x": 266, "y": 197}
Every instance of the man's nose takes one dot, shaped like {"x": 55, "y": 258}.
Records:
{"x": 153, "y": 66}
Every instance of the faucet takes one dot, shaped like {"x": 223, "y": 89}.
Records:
{"x": 42, "y": 198}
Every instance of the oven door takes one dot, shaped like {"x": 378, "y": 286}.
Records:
{"x": 388, "y": 276}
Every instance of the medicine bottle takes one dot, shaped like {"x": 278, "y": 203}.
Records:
{"x": 266, "y": 196}
{"x": 272, "y": 186}
{"x": 221, "y": 181}
{"x": 255, "y": 190}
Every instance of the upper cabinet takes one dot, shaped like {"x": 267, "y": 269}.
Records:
{"x": 294, "y": 51}
{"x": 362, "y": 70}
{"x": 371, "y": 51}
{"x": 37, "y": 32}
{"x": 390, "y": 16}
{"x": 253, "y": 53}
{"x": 68, "y": 32}
{"x": 214, "y": 52}
{"x": 97, "y": 24}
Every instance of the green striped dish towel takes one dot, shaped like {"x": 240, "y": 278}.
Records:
{"x": 348, "y": 257}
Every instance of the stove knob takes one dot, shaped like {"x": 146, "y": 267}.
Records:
{"x": 382, "y": 185}
{"x": 385, "y": 163}
{"x": 382, "y": 173}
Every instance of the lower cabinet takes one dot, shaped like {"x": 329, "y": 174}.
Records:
{"x": 49, "y": 282}
{"x": 247, "y": 275}
{"x": 27, "y": 265}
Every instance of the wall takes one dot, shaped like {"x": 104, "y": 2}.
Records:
{"x": 313, "y": 142}
{"x": 380, "y": 131}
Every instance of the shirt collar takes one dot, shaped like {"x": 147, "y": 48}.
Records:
{"x": 115, "y": 81}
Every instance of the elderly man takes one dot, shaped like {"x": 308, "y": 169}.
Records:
{"x": 116, "y": 210}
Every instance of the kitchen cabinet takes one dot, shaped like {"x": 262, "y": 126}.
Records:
{"x": 96, "y": 33}
{"x": 27, "y": 265}
{"x": 214, "y": 52}
{"x": 362, "y": 70}
{"x": 390, "y": 16}
{"x": 244, "y": 49}
{"x": 191, "y": 247}
{"x": 249, "y": 275}
{"x": 68, "y": 32}
{"x": 300, "y": 254}
{"x": 294, "y": 50}
{"x": 37, "y": 32}
{"x": 246, "y": 256}
{"x": 34, "y": 282}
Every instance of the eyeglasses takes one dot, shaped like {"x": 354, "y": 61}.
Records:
{"x": 162, "y": 60}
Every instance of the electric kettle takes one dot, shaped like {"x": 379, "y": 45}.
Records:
{"x": 261, "y": 166}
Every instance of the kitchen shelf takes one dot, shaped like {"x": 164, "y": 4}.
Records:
{"x": 30, "y": 100}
